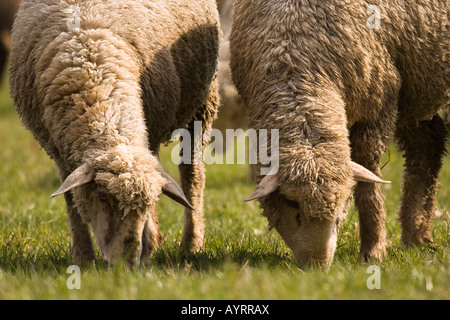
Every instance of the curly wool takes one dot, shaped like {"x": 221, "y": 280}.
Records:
{"x": 339, "y": 91}
{"x": 130, "y": 175}
{"x": 109, "y": 83}
{"x": 319, "y": 71}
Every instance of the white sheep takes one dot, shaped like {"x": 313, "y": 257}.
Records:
{"x": 339, "y": 79}
{"x": 101, "y": 84}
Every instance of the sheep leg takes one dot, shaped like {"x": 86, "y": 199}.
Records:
{"x": 368, "y": 145}
{"x": 151, "y": 236}
{"x": 192, "y": 175}
{"x": 82, "y": 247}
{"x": 424, "y": 148}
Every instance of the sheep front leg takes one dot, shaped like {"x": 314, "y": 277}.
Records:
{"x": 192, "y": 175}
{"x": 151, "y": 236}
{"x": 424, "y": 148}
{"x": 368, "y": 145}
{"x": 193, "y": 183}
{"x": 82, "y": 247}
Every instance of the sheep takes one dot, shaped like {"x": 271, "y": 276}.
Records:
{"x": 340, "y": 79}
{"x": 8, "y": 9}
{"x": 101, "y": 84}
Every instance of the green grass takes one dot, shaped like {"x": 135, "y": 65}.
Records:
{"x": 241, "y": 258}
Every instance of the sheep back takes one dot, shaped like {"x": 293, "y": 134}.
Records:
{"x": 152, "y": 60}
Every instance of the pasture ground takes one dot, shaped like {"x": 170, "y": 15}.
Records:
{"x": 241, "y": 258}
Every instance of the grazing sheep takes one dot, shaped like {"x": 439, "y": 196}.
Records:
{"x": 339, "y": 79}
{"x": 8, "y": 9}
{"x": 101, "y": 84}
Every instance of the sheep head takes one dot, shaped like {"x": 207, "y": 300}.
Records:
{"x": 306, "y": 217}
{"x": 115, "y": 193}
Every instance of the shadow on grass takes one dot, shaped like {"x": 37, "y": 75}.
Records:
{"x": 258, "y": 256}
{"x": 26, "y": 255}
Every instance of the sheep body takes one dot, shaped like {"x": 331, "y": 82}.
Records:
{"x": 339, "y": 89}
{"x": 103, "y": 84}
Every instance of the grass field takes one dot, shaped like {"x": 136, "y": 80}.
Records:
{"x": 241, "y": 258}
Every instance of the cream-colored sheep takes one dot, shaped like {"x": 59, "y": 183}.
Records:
{"x": 101, "y": 84}
{"x": 339, "y": 79}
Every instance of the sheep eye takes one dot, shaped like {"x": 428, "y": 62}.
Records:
{"x": 292, "y": 204}
{"x": 103, "y": 197}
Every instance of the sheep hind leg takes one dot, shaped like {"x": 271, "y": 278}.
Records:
{"x": 192, "y": 175}
{"x": 424, "y": 147}
{"x": 368, "y": 145}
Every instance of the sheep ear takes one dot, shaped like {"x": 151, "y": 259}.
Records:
{"x": 82, "y": 175}
{"x": 362, "y": 174}
{"x": 173, "y": 191}
{"x": 267, "y": 185}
